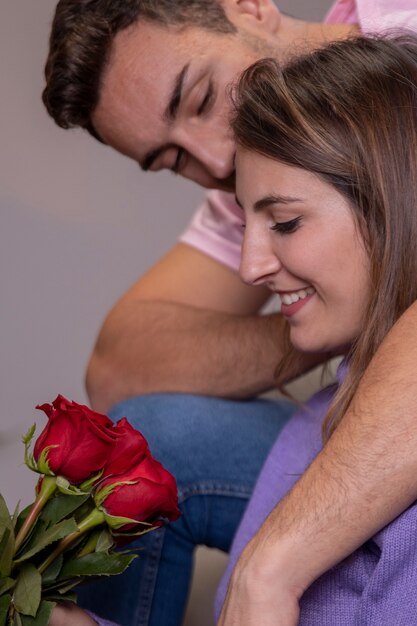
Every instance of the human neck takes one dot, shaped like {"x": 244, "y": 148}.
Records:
{"x": 296, "y": 36}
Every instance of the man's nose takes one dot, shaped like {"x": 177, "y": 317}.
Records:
{"x": 215, "y": 152}
{"x": 259, "y": 263}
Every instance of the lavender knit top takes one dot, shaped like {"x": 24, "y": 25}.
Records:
{"x": 377, "y": 584}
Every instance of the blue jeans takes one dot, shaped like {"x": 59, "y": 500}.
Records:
{"x": 215, "y": 449}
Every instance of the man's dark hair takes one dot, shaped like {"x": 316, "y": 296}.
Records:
{"x": 80, "y": 43}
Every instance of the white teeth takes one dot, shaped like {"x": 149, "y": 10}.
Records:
{"x": 290, "y": 298}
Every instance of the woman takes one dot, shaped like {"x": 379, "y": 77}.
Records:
{"x": 326, "y": 174}
{"x": 327, "y": 177}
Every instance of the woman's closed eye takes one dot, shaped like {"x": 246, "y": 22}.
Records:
{"x": 286, "y": 228}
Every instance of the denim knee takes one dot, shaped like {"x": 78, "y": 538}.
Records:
{"x": 205, "y": 438}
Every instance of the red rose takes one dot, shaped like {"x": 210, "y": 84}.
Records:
{"x": 130, "y": 448}
{"x": 84, "y": 440}
{"x": 152, "y": 495}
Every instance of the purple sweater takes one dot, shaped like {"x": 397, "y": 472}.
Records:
{"x": 377, "y": 584}
{"x": 100, "y": 620}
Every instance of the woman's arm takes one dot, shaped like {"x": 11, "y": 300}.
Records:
{"x": 363, "y": 478}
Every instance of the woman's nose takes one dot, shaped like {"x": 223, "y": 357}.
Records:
{"x": 258, "y": 263}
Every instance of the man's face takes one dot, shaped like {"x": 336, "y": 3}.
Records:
{"x": 165, "y": 99}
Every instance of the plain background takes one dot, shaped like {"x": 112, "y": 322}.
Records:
{"x": 79, "y": 224}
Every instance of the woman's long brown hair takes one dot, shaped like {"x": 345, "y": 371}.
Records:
{"x": 348, "y": 113}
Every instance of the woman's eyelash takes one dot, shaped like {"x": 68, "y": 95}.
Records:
{"x": 286, "y": 228}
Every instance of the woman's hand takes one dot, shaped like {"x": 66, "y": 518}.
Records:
{"x": 69, "y": 614}
{"x": 258, "y": 595}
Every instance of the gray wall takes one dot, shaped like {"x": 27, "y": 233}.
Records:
{"x": 79, "y": 224}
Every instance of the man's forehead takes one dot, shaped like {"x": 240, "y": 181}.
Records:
{"x": 146, "y": 38}
{"x": 144, "y": 63}
{"x": 140, "y": 90}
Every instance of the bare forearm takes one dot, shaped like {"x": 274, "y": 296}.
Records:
{"x": 160, "y": 347}
{"x": 189, "y": 324}
{"x": 365, "y": 475}
{"x": 68, "y": 614}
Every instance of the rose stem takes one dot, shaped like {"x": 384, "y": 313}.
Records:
{"x": 95, "y": 518}
{"x": 47, "y": 490}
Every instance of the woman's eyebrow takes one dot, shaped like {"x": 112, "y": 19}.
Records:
{"x": 266, "y": 201}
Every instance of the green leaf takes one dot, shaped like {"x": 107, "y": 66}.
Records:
{"x": 34, "y": 535}
{"x": 4, "y": 608}
{"x": 64, "y": 597}
{"x": 88, "y": 484}
{"x": 6, "y": 552}
{"x": 29, "y": 435}
{"x": 27, "y": 439}
{"x": 22, "y": 516}
{"x": 5, "y": 519}
{"x": 61, "y": 587}
{"x": 6, "y": 584}
{"x": 64, "y": 587}
{"x": 138, "y": 533}
{"x": 97, "y": 564}
{"x": 115, "y": 521}
{"x": 65, "y": 591}
{"x": 51, "y": 574}
{"x": 15, "y": 515}
{"x": 58, "y": 531}
{"x": 42, "y": 617}
{"x": 105, "y": 541}
{"x": 101, "y": 494}
{"x": 61, "y": 506}
{"x": 97, "y": 540}
{"x": 42, "y": 464}
{"x": 65, "y": 487}
{"x": 17, "y": 619}
{"x": 27, "y": 594}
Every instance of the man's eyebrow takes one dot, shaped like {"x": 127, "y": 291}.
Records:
{"x": 168, "y": 115}
{"x": 265, "y": 202}
{"x": 176, "y": 95}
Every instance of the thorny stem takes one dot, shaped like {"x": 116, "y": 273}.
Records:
{"x": 47, "y": 490}
{"x": 95, "y": 518}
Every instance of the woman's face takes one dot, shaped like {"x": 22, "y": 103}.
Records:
{"x": 302, "y": 241}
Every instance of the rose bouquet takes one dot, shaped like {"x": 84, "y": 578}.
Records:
{"x": 99, "y": 488}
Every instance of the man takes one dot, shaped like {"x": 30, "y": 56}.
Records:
{"x": 152, "y": 80}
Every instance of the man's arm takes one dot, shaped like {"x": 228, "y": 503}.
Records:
{"x": 364, "y": 477}
{"x": 188, "y": 325}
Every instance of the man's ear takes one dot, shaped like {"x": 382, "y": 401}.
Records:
{"x": 264, "y": 12}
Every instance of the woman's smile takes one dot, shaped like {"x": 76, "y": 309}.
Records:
{"x": 293, "y": 301}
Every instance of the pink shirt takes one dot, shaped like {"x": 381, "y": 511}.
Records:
{"x": 216, "y": 228}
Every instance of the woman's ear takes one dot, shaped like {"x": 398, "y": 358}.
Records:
{"x": 262, "y": 13}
